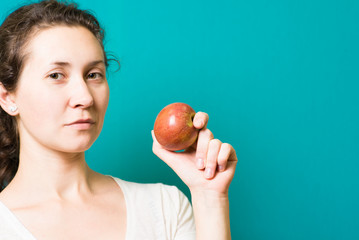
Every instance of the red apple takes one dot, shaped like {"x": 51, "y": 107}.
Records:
{"x": 174, "y": 128}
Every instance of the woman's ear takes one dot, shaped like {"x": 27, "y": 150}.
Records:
{"x": 6, "y": 101}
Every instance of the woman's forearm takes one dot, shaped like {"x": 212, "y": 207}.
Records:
{"x": 211, "y": 213}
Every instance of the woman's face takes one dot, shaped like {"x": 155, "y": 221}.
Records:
{"x": 62, "y": 94}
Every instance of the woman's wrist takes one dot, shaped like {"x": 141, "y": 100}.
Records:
{"x": 208, "y": 198}
{"x": 211, "y": 213}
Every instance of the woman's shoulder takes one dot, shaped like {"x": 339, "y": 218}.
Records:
{"x": 160, "y": 207}
{"x": 158, "y": 197}
{"x": 150, "y": 190}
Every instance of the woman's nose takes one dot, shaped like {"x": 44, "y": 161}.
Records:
{"x": 81, "y": 96}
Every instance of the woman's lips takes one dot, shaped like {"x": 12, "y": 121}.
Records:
{"x": 82, "y": 124}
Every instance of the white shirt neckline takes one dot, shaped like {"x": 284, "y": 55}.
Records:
{"x": 16, "y": 223}
{"x": 24, "y": 232}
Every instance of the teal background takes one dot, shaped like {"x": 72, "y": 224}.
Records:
{"x": 279, "y": 80}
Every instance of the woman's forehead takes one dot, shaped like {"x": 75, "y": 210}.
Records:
{"x": 64, "y": 44}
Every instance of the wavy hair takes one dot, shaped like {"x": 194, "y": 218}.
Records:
{"x": 15, "y": 31}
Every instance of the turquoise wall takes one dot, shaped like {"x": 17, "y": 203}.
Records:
{"x": 279, "y": 80}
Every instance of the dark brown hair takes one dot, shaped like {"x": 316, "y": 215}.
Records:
{"x": 15, "y": 31}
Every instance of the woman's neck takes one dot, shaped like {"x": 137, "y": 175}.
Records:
{"x": 45, "y": 174}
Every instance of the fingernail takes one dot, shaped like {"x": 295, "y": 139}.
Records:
{"x": 200, "y": 163}
{"x": 208, "y": 173}
{"x": 220, "y": 168}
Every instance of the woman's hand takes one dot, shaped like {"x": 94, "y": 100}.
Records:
{"x": 207, "y": 168}
{"x": 208, "y": 165}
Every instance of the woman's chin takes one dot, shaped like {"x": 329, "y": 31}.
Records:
{"x": 76, "y": 146}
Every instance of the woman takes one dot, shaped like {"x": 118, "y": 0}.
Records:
{"x": 53, "y": 98}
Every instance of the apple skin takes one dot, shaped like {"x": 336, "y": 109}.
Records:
{"x": 174, "y": 128}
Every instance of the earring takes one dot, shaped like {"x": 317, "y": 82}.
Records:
{"x": 13, "y": 108}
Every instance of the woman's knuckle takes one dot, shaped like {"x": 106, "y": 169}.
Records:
{"x": 209, "y": 133}
{"x": 215, "y": 143}
{"x": 226, "y": 146}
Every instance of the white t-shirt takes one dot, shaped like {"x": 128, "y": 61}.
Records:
{"x": 154, "y": 212}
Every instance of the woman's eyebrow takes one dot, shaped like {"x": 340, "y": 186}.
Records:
{"x": 66, "y": 64}
{"x": 94, "y": 63}
{"x": 63, "y": 64}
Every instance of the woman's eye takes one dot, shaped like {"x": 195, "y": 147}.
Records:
{"x": 94, "y": 75}
{"x": 56, "y": 76}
